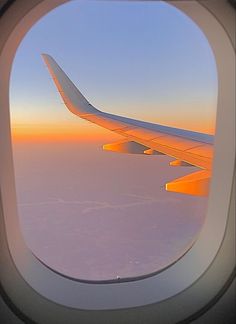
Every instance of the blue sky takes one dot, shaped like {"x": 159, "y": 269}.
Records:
{"x": 145, "y": 60}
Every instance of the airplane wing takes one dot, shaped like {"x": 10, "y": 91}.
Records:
{"x": 187, "y": 147}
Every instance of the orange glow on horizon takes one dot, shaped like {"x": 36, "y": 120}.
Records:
{"x": 66, "y": 131}
{"x": 50, "y": 132}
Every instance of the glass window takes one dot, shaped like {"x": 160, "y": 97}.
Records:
{"x": 86, "y": 212}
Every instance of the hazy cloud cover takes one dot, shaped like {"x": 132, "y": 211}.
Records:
{"x": 97, "y": 215}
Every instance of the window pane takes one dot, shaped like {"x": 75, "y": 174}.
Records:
{"x": 84, "y": 211}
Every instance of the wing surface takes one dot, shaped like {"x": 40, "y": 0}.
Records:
{"x": 187, "y": 147}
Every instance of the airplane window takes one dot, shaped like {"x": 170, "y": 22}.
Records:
{"x": 113, "y": 176}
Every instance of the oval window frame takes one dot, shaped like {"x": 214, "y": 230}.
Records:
{"x": 63, "y": 293}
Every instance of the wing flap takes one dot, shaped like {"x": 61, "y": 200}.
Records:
{"x": 176, "y": 141}
{"x": 202, "y": 162}
{"x": 196, "y": 183}
{"x": 126, "y": 147}
{"x": 204, "y": 150}
{"x": 179, "y": 163}
{"x": 152, "y": 152}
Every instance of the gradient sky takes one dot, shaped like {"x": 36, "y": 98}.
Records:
{"x": 89, "y": 213}
{"x": 146, "y": 60}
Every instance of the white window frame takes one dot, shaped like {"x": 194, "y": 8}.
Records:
{"x": 170, "y": 295}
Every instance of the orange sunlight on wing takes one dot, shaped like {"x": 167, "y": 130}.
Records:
{"x": 206, "y": 126}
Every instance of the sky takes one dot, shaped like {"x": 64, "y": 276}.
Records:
{"x": 89, "y": 213}
{"x": 145, "y": 60}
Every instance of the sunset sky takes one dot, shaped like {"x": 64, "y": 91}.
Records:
{"x": 144, "y": 60}
{"x": 86, "y": 212}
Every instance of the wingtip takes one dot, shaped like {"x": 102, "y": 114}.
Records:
{"x": 70, "y": 94}
{"x": 46, "y": 57}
